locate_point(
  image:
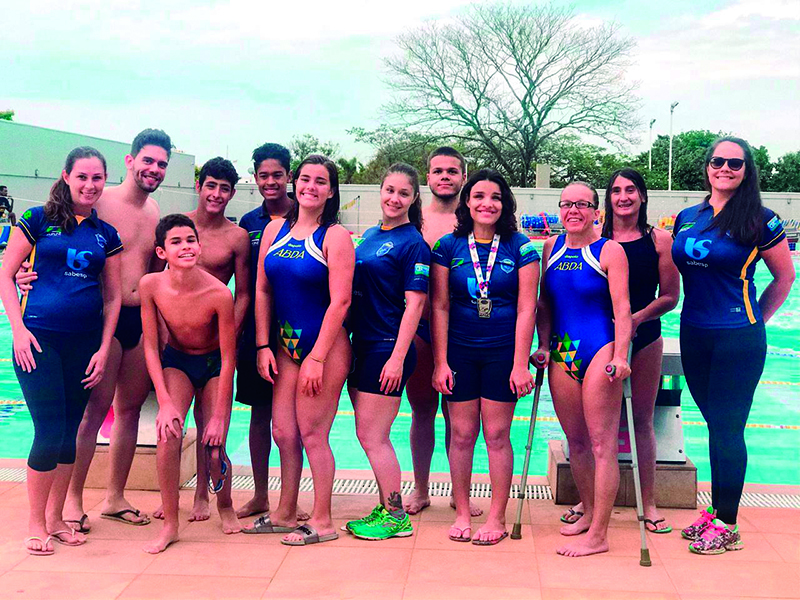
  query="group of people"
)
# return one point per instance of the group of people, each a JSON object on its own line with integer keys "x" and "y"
{"x": 435, "y": 300}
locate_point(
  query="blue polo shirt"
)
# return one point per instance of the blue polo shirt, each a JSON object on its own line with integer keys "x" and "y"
{"x": 67, "y": 296}
{"x": 717, "y": 271}
{"x": 466, "y": 327}
{"x": 388, "y": 264}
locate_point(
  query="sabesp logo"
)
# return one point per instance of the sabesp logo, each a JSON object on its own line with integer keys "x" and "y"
{"x": 77, "y": 261}
{"x": 697, "y": 249}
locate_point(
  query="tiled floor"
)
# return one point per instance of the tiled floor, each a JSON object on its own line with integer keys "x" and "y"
{"x": 208, "y": 564}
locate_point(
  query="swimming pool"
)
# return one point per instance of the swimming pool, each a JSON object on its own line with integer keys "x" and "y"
{"x": 773, "y": 432}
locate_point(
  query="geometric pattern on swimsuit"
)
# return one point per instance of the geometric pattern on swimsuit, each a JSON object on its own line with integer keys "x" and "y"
{"x": 290, "y": 338}
{"x": 563, "y": 351}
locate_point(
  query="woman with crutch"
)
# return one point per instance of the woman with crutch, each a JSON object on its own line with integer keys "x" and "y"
{"x": 654, "y": 287}
{"x": 723, "y": 340}
{"x": 584, "y": 324}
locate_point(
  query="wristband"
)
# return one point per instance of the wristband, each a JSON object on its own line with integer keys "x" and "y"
{"x": 262, "y": 347}
{"x": 316, "y": 359}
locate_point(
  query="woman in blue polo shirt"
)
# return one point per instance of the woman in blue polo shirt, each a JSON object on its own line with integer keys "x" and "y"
{"x": 389, "y": 291}
{"x": 723, "y": 342}
{"x": 484, "y": 278}
{"x": 62, "y": 331}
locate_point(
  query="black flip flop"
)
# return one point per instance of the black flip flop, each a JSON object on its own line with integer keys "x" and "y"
{"x": 80, "y": 524}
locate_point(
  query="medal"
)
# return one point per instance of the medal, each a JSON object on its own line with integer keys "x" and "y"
{"x": 484, "y": 302}
{"x": 484, "y": 308}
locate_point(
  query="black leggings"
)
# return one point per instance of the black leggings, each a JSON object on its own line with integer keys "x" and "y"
{"x": 55, "y": 395}
{"x": 722, "y": 369}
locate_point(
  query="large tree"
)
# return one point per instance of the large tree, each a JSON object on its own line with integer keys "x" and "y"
{"x": 303, "y": 145}
{"x": 787, "y": 173}
{"x": 506, "y": 78}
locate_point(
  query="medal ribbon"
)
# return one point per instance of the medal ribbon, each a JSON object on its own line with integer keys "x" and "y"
{"x": 483, "y": 284}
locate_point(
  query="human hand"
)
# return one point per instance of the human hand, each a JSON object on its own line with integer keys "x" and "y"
{"x": 24, "y": 277}
{"x": 310, "y": 377}
{"x": 96, "y": 368}
{"x": 391, "y": 375}
{"x": 443, "y": 380}
{"x": 23, "y": 354}
{"x": 265, "y": 360}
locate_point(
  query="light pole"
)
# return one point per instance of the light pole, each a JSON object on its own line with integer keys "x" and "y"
{"x": 671, "y": 110}
{"x": 650, "y": 161}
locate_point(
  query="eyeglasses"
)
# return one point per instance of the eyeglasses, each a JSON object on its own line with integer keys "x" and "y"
{"x": 734, "y": 164}
{"x": 580, "y": 204}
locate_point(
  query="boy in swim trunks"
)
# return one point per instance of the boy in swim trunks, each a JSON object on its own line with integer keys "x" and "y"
{"x": 198, "y": 360}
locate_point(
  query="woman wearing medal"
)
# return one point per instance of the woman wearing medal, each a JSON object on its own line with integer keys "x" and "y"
{"x": 484, "y": 278}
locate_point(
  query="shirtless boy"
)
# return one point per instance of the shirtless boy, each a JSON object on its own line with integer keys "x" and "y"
{"x": 134, "y": 214}
{"x": 447, "y": 172}
{"x": 226, "y": 252}
{"x": 199, "y": 359}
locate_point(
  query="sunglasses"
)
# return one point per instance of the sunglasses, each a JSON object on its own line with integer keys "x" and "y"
{"x": 734, "y": 164}
{"x": 580, "y": 204}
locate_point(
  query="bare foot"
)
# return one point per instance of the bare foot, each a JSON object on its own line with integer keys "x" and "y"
{"x": 200, "y": 510}
{"x": 417, "y": 503}
{"x": 584, "y": 547}
{"x": 302, "y": 515}
{"x": 474, "y": 509}
{"x": 159, "y": 513}
{"x": 162, "y": 542}
{"x": 322, "y": 530}
{"x": 578, "y": 527}
{"x": 254, "y": 506}
{"x": 230, "y": 522}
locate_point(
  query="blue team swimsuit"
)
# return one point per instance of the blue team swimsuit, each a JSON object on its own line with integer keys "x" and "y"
{"x": 298, "y": 275}
{"x": 388, "y": 264}
{"x": 580, "y": 303}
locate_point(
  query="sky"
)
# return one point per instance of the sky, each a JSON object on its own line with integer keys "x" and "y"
{"x": 223, "y": 76}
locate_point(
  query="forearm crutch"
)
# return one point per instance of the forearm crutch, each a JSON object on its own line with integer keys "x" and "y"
{"x": 537, "y": 361}
{"x": 644, "y": 559}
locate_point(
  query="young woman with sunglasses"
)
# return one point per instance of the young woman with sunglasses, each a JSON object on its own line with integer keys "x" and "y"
{"x": 723, "y": 341}
{"x": 584, "y": 324}
{"x": 654, "y": 287}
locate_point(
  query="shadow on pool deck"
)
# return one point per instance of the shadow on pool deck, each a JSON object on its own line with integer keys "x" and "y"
{"x": 208, "y": 564}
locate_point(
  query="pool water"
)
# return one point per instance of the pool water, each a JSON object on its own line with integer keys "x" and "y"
{"x": 773, "y": 432}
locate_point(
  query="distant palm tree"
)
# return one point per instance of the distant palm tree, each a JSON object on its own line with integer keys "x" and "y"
{"x": 348, "y": 169}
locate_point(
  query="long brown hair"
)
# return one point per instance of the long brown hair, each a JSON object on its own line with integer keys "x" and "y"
{"x": 59, "y": 207}
{"x": 415, "y": 210}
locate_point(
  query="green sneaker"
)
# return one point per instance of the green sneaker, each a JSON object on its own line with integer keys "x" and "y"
{"x": 368, "y": 519}
{"x": 383, "y": 527}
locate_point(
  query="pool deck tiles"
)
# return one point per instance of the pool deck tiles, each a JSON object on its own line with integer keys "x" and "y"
{"x": 209, "y": 564}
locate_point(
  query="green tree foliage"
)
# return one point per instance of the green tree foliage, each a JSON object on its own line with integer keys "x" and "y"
{"x": 303, "y": 145}
{"x": 396, "y": 144}
{"x": 571, "y": 160}
{"x": 787, "y": 173}
{"x": 348, "y": 169}
{"x": 506, "y": 79}
{"x": 6, "y": 115}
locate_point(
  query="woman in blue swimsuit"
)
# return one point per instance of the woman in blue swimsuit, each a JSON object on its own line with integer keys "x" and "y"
{"x": 584, "y": 324}
{"x": 654, "y": 286}
{"x": 307, "y": 279}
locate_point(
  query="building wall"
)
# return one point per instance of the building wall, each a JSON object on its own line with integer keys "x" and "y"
{"x": 31, "y": 160}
